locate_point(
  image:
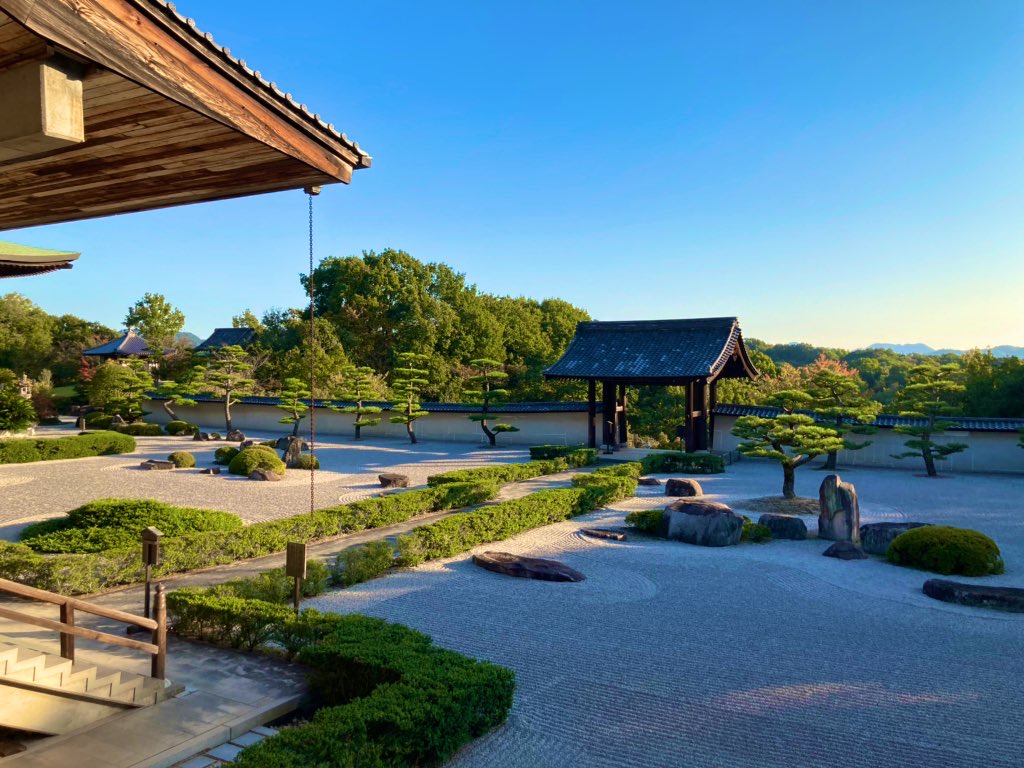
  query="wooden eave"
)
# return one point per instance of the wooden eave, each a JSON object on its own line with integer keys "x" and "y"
{"x": 170, "y": 117}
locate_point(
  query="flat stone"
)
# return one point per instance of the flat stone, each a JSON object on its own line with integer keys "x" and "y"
{"x": 393, "y": 480}
{"x": 839, "y": 510}
{"x": 784, "y": 526}
{"x": 705, "y": 523}
{"x": 527, "y": 567}
{"x": 676, "y": 486}
{"x": 264, "y": 474}
{"x": 845, "y": 550}
{"x": 157, "y": 464}
{"x": 210, "y": 471}
{"x": 648, "y": 481}
{"x": 977, "y": 595}
{"x": 876, "y": 537}
{"x": 604, "y": 533}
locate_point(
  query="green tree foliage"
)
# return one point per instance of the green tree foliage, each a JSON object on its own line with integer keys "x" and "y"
{"x": 360, "y": 385}
{"x": 26, "y": 335}
{"x": 70, "y": 336}
{"x": 226, "y": 376}
{"x": 485, "y": 390}
{"x": 931, "y": 393}
{"x": 994, "y": 386}
{"x": 792, "y": 439}
{"x": 282, "y": 345}
{"x": 179, "y": 393}
{"x": 838, "y": 395}
{"x": 408, "y": 380}
{"x": 120, "y": 388}
{"x": 16, "y": 413}
{"x": 156, "y": 320}
{"x": 293, "y": 398}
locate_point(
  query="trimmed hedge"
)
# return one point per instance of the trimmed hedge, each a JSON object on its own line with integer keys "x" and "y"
{"x": 946, "y": 550}
{"x": 178, "y": 427}
{"x": 690, "y": 463}
{"x": 389, "y": 696}
{"x": 140, "y": 429}
{"x": 225, "y": 454}
{"x": 256, "y": 457}
{"x": 182, "y": 459}
{"x": 646, "y": 520}
{"x": 75, "y": 447}
{"x": 307, "y": 462}
{"x": 358, "y": 564}
{"x": 755, "y": 532}
{"x": 541, "y": 452}
{"x": 510, "y": 473}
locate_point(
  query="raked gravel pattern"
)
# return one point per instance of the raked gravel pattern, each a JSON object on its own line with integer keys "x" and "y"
{"x": 749, "y": 656}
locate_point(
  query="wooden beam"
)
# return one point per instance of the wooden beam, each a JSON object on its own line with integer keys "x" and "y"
{"x": 41, "y": 104}
{"x": 591, "y": 413}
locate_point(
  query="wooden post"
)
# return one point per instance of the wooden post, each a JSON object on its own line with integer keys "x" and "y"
{"x": 295, "y": 566}
{"x": 159, "y": 667}
{"x": 700, "y": 420}
{"x": 608, "y": 412}
{"x": 67, "y": 641}
{"x": 591, "y": 413}
{"x": 712, "y": 404}
{"x": 621, "y": 413}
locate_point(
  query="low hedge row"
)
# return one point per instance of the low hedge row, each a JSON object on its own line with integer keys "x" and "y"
{"x": 178, "y": 427}
{"x": 388, "y": 696}
{"x": 690, "y": 463}
{"x": 510, "y": 473}
{"x": 23, "y": 451}
{"x": 85, "y": 573}
{"x": 140, "y": 429}
{"x": 540, "y": 452}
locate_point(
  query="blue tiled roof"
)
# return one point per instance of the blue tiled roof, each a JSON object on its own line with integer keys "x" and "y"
{"x": 129, "y": 344}
{"x": 888, "y": 421}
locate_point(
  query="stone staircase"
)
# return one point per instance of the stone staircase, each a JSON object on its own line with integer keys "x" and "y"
{"x": 46, "y": 693}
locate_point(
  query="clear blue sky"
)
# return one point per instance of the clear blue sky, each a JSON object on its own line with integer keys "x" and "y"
{"x": 833, "y": 172}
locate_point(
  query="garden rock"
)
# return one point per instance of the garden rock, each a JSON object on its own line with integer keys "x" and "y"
{"x": 393, "y": 480}
{"x": 157, "y": 464}
{"x": 839, "y": 515}
{"x": 676, "y": 486}
{"x": 282, "y": 443}
{"x": 648, "y": 481}
{"x": 264, "y": 474}
{"x": 235, "y": 436}
{"x": 845, "y": 550}
{"x": 612, "y": 534}
{"x": 876, "y": 537}
{"x": 293, "y": 452}
{"x": 784, "y": 526}
{"x": 706, "y": 523}
{"x": 977, "y": 595}
{"x": 246, "y": 444}
{"x": 210, "y": 471}
{"x": 201, "y": 436}
{"x": 527, "y": 567}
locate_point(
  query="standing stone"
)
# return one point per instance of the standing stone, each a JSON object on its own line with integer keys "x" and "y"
{"x": 235, "y": 436}
{"x": 839, "y": 516}
{"x": 784, "y": 526}
{"x": 706, "y": 523}
{"x": 293, "y": 452}
{"x": 676, "y": 486}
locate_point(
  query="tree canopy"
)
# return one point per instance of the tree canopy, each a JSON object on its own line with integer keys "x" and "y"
{"x": 155, "y": 319}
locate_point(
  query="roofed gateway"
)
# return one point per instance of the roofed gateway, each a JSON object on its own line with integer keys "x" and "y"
{"x": 694, "y": 353}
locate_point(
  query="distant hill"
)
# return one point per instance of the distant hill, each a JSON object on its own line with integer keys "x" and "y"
{"x": 1004, "y": 350}
{"x": 191, "y": 338}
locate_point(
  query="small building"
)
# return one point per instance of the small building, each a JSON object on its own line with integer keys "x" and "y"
{"x": 226, "y": 337}
{"x": 694, "y": 353}
{"x": 128, "y": 345}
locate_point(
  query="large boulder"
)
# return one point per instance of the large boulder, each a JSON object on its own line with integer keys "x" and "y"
{"x": 845, "y": 550}
{"x": 978, "y": 595}
{"x": 648, "y": 481}
{"x": 282, "y": 443}
{"x": 293, "y": 452}
{"x": 839, "y": 511}
{"x": 527, "y": 567}
{"x": 679, "y": 486}
{"x": 264, "y": 474}
{"x": 706, "y": 523}
{"x": 235, "y": 436}
{"x": 875, "y": 538}
{"x": 784, "y": 526}
{"x": 393, "y": 480}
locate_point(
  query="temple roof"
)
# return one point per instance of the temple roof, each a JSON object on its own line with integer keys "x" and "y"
{"x": 123, "y": 346}
{"x": 22, "y": 260}
{"x": 226, "y": 337}
{"x": 655, "y": 351}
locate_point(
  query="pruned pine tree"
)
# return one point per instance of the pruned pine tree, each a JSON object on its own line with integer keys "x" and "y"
{"x": 359, "y": 386}
{"x": 929, "y": 395}
{"x": 178, "y": 394}
{"x": 293, "y": 397}
{"x": 839, "y": 396}
{"x": 486, "y": 389}
{"x": 118, "y": 388}
{"x": 409, "y": 377}
{"x": 792, "y": 439}
{"x": 226, "y": 376}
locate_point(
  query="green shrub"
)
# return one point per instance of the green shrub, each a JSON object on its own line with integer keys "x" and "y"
{"x": 75, "y": 447}
{"x": 16, "y": 412}
{"x": 690, "y": 463}
{"x": 946, "y": 550}
{"x": 275, "y": 586}
{"x": 180, "y": 428}
{"x": 755, "y": 532}
{"x": 140, "y": 429}
{"x": 215, "y": 436}
{"x": 362, "y": 563}
{"x": 98, "y": 420}
{"x": 646, "y": 520}
{"x": 626, "y": 469}
{"x": 182, "y": 459}
{"x": 256, "y": 457}
{"x": 510, "y": 473}
{"x": 556, "y": 451}
{"x": 307, "y": 461}
{"x": 225, "y": 454}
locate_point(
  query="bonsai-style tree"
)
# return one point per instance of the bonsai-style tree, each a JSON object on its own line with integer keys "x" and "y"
{"x": 486, "y": 391}
{"x": 792, "y": 439}
{"x": 226, "y": 376}
{"x": 929, "y": 395}
{"x": 178, "y": 393}
{"x": 838, "y": 395}
{"x": 292, "y": 403}
{"x": 410, "y": 376}
{"x": 120, "y": 388}
{"x": 359, "y": 386}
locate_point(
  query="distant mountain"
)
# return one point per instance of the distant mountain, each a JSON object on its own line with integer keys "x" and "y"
{"x": 1004, "y": 350}
{"x": 190, "y": 338}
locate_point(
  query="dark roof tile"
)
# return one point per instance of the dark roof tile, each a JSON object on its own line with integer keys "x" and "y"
{"x": 887, "y": 420}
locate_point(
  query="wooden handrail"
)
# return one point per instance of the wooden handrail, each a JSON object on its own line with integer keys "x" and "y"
{"x": 69, "y": 631}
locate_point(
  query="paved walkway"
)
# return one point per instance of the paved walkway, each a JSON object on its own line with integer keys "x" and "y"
{"x": 754, "y": 656}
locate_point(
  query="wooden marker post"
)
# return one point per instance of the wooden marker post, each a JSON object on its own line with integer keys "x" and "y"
{"x": 150, "y": 557}
{"x": 295, "y": 566}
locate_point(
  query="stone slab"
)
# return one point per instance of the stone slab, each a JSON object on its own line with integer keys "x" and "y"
{"x": 527, "y": 567}
{"x": 977, "y": 595}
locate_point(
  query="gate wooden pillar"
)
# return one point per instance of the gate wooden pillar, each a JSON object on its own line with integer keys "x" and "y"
{"x": 698, "y": 408}
{"x": 591, "y": 413}
{"x": 620, "y": 408}
{"x": 712, "y": 404}
{"x": 608, "y": 412}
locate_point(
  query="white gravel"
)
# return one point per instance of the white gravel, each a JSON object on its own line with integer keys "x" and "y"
{"x": 756, "y": 655}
